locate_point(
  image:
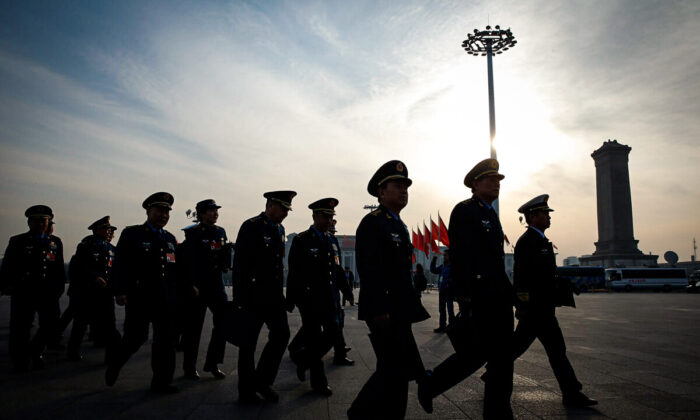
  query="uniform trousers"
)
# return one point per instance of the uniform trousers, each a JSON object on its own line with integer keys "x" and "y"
{"x": 542, "y": 324}
{"x": 192, "y": 332}
{"x": 445, "y": 303}
{"x": 250, "y": 377}
{"x": 317, "y": 335}
{"x": 97, "y": 310}
{"x": 139, "y": 314}
{"x": 385, "y": 394}
{"x": 492, "y": 343}
{"x": 23, "y": 309}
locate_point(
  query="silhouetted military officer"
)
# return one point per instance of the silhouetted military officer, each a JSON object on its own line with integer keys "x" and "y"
{"x": 313, "y": 270}
{"x": 387, "y": 301}
{"x": 481, "y": 286}
{"x": 208, "y": 255}
{"x": 91, "y": 292}
{"x": 534, "y": 275}
{"x": 145, "y": 281}
{"x": 33, "y": 273}
{"x": 258, "y": 289}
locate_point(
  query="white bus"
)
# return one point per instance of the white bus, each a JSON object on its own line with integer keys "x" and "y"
{"x": 646, "y": 278}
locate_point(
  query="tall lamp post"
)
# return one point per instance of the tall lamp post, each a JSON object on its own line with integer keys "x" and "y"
{"x": 486, "y": 43}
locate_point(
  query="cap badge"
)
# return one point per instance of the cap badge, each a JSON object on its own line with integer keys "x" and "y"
{"x": 399, "y": 167}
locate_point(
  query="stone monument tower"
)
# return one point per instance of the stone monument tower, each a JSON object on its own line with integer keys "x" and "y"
{"x": 616, "y": 245}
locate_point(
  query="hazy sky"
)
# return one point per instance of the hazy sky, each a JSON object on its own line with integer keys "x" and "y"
{"x": 103, "y": 103}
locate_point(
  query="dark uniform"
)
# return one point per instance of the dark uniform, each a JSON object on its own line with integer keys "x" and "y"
{"x": 341, "y": 285}
{"x": 534, "y": 275}
{"x": 258, "y": 276}
{"x": 478, "y": 273}
{"x": 207, "y": 252}
{"x": 33, "y": 273}
{"x": 314, "y": 268}
{"x": 92, "y": 303}
{"x": 383, "y": 253}
{"x": 145, "y": 272}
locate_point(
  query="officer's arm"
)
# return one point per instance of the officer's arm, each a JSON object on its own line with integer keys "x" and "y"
{"x": 295, "y": 275}
{"x": 524, "y": 257}
{"x": 243, "y": 260}
{"x": 433, "y": 266}
{"x": 60, "y": 267}
{"x": 123, "y": 261}
{"x": 369, "y": 262}
{"x": 8, "y": 270}
{"x": 462, "y": 251}
{"x": 343, "y": 283}
{"x": 85, "y": 268}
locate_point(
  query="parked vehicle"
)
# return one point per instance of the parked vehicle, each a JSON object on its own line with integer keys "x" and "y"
{"x": 583, "y": 279}
{"x": 628, "y": 279}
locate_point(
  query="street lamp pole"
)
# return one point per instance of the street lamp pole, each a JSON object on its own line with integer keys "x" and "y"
{"x": 486, "y": 43}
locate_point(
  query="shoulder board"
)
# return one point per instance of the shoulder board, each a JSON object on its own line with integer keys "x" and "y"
{"x": 54, "y": 238}
{"x": 88, "y": 239}
{"x": 376, "y": 212}
{"x": 303, "y": 234}
{"x": 254, "y": 219}
{"x": 468, "y": 200}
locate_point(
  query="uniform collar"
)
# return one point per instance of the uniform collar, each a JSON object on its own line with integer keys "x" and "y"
{"x": 538, "y": 231}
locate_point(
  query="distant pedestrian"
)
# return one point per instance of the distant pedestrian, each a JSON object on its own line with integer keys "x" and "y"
{"x": 445, "y": 290}
{"x": 420, "y": 282}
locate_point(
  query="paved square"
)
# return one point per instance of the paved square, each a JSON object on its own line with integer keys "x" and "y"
{"x": 637, "y": 353}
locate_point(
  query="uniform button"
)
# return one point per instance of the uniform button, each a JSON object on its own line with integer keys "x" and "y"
{"x": 44, "y": 267}
{"x": 43, "y": 252}
{"x": 161, "y": 249}
{"x": 308, "y": 288}
{"x": 162, "y": 266}
{"x": 162, "y": 258}
{"x": 387, "y": 292}
{"x": 27, "y": 272}
{"x": 162, "y": 274}
{"x": 253, "y": 280}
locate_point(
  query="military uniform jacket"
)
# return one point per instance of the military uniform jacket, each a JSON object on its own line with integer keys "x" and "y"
{"x": 93, "y": 258}
{"x": 383, "y": 253}
{"x": 476, "y": 252}
{"x": 207, "y": 255}
{"x": 313, "y": 270}
{"x": 34, "y": 266}
{"x": 535, "y": 270}
{"x": 257, "y": 264}
{"x": 145, "y": 265}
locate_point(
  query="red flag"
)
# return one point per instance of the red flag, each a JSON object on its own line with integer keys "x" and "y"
{"x": 505, "y": 238}
{"x": 426, "y": 237}
{"x": 420, "y": 241}
{"x": 414, "y": 239}
{"x": 434, "y": 236}
{"x": 444, "y": 237}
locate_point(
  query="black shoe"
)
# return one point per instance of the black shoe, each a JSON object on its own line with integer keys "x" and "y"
{"x": 343, "y": 361}
{"x": 424, "y": 395}
{"x": 347, "y": 349}
{"x": 249, "y": 399}
{"x": 164, "y": 389}
{"x": 111, "y": 375}
{"x": 267, "y": 393}
{"x": 578, "y": 399}
{"x": 325, "y": 391}
{"x": 191, "y": 374}
{"x": 214, "y": 370}
{"x": 439, "y": 330}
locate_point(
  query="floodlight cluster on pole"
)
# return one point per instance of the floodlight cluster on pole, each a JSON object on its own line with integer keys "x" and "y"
{"x": 486, "y": 43}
